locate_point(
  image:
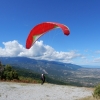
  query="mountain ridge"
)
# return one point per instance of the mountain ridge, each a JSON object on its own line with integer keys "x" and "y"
{"x": 52, "y": 68}
{"x": 25, "y": 60}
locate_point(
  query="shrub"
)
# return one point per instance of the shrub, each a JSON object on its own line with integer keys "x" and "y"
{"x": 9, "y": 73}
{"x": 96, "y": 93}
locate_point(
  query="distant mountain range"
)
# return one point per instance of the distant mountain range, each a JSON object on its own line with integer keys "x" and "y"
{"x": 32, "y": 63}
{"x": 51, "y": 68}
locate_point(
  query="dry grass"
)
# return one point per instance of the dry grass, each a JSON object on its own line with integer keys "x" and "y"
{"x": 89, "y": 98}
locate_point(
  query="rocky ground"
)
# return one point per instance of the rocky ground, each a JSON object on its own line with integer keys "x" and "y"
{"x": 25, "y": 91}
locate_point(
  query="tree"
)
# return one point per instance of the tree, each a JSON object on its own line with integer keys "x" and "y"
{"x": 8, "y": 68}
{"x": 9, "y": 73}
{"x": 1, "y": 69}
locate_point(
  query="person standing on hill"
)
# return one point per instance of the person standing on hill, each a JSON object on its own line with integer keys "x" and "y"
{"x": 42, "y": 78}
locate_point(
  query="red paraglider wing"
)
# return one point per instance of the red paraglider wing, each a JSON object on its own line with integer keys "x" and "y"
{"x": 41, "y": 29}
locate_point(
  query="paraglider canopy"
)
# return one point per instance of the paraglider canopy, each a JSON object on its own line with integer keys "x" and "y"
{"x": 43, "y": 28}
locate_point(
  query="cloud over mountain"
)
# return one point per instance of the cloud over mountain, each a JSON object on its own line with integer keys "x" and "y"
{"x": 38, "y": 51}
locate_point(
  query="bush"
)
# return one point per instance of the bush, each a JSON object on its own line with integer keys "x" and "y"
{"x": 9, "y": 73}
{"x": 96, "y": 93}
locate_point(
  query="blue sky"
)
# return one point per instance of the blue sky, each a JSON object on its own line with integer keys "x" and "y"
{"x": 18, "y": 17}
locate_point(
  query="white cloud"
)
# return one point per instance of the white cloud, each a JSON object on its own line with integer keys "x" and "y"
{"x": 12, "y": 48}
{"x": 96, "y": 60}
{"x": 38, "y": 51}
{"x": 97, "y": 52}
